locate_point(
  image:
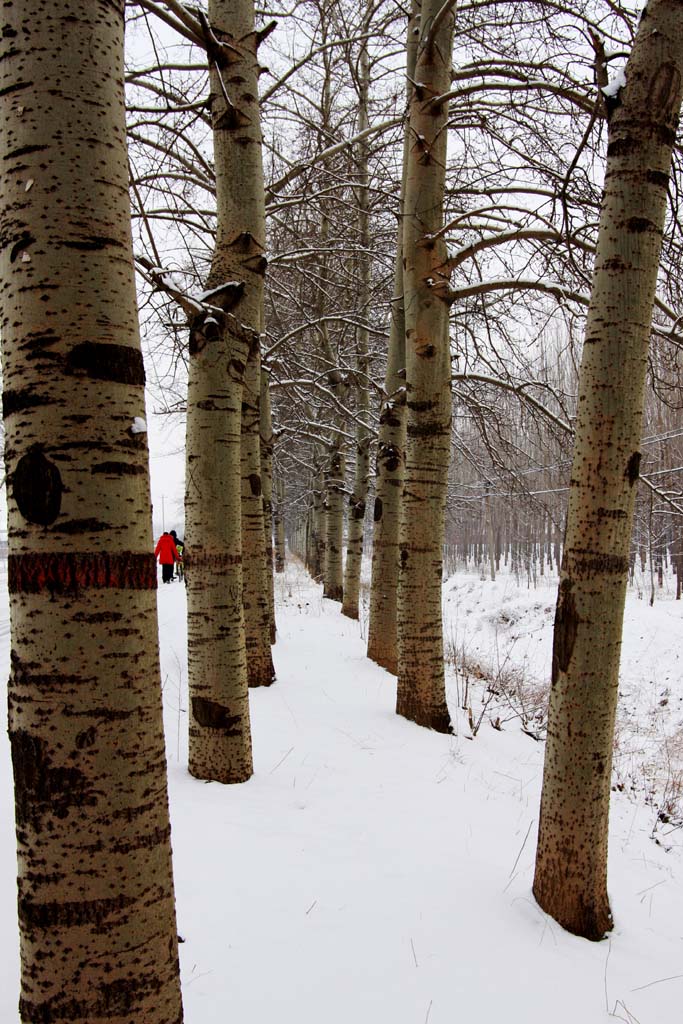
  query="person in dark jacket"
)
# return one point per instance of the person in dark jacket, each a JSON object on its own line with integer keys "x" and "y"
{"x": 167, "y": 553}
{"x": 179, "y": 567}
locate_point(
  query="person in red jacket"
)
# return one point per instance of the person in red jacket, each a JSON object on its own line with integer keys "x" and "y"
{"x": 167, "y": 553}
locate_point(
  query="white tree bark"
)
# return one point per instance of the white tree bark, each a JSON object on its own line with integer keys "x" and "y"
{"x": 421, "y": 693}
{"x": 96, "y": 905}
{"x": 358, "y": 496}
{"x": 571, "y": 867}
{"x": 391, "y": 439}
{"x": 220, "y": 736}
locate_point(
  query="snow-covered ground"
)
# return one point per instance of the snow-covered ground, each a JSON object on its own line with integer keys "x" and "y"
{"x": 372, "y": 871}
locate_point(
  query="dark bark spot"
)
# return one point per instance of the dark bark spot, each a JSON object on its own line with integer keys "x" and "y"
{"x": 197, "y": 342}
{"x": 611, "y": 104}
{"x": 72, "y": 526}
{"x": 664, "y": 135}
{"x": 94, "y": 243}
{"x": 212, "y": 562}
{"x": 425, "y": 349}
{"x": 356, "y": 508}
{"x": 118, "y": 468}
{"x": 633, "y": 468}
{"x": 377, "y": 515}
{"x": 71, "y": 914}
{"x": 587, "y": 563}
{"x": 37, "y": 488}
{"x": 15, "y": 87}
{"x": 41, "y": 789}
{"x": 615, "y": 263}
{"x": 25, "y": 150}
{"x": 121, "y": 364}
{"x": 209, "y": 714}
{"x": 389, "y": 417}
{"x": 404, "y": 557}
{"x": 24, "y": 674}
{"x": 255, "y": 484}
{"x": 231, "y": 120}
{"x": 257, "y": 264}
{"x": 208, "y": 405}
{"x": 390, "y": 456}
{"x": 245, "y": 242}
{"x": 566, "y": 627}
{"x": 206, "y": 328}
{"x": 640, "y": 224}
{"x": 226, "y": 296}
{"x": 425, "y": 406}
{"x": 22, "y": 399}
{"x": 622, "y": 147}
{"x": 21, "y": 244}
{"x": 658, "y": 178}
{"x": 611, "y": 513}
{"x": 86, "y": 738}
{"x": 39, "y": 341}
{"x": 98, "y": 617}
{"x": 67, "y": 573}
{"x": 425, "y": 430}
{"x": 111, "y": 1001}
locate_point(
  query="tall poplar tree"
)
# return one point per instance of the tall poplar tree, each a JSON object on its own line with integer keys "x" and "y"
{"x": 358, "y": 496}
{"x": 571, "y": 866}
{"x": 421, "y": 687}
{"x": 256, "y": 566}
{"x": 382, "y": 625}
{"x": 96, "y": 906}
{"x": 220, "y": 736}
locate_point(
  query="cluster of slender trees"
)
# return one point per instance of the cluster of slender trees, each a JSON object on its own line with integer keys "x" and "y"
{"x": 356, "y": 246}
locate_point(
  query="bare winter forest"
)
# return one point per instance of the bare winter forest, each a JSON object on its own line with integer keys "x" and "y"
{"x": 405, "y": 282}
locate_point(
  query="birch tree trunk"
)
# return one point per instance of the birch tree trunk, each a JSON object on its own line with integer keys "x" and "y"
{"x": 335, "y": 465}
{"x": 260, "y": 671}
{"x": 96, "y": 906}
{"x": 358, "y": 497}
{"x": 266, "y": 439}
{"x": 382, "y": 626}
{"x": 333, "y": 574}
{"x": 316, "y": 532}
{"x": 279, "y": 525}
{"x": 571, "y": 866}
{"x": 490, "y": 536}
{"x": 421, "y": 694}
{"x": 220, "y": 733}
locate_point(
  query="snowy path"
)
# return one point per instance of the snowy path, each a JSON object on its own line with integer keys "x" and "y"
{"x": 373, "y": 872}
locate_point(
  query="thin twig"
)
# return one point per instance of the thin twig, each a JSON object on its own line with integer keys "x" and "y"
{"x": 522, "y": 847}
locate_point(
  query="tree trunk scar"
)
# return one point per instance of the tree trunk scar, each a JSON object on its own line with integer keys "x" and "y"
{"x": 44, "y": 790}
{"x": 37, "y": 487}
{"x": 663, "y": 97}
{"x": 633, "y": 468}
{"x": 21, "y": 399}
{"x": 121, "y": 364}
{"x": 209, "y": 714}
{"x": 566, "y": 625}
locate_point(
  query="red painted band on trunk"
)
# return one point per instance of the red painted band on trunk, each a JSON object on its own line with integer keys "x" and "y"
{"x": 68, "y": 572}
